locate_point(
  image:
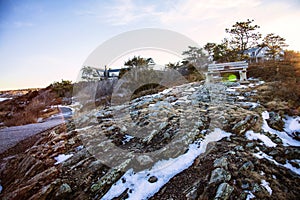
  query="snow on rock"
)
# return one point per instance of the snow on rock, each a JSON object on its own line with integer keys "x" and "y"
{"x": 127, "y": 138}
{"x": 287, "y": 140}
{"x": 83, "y": 129}
{"x": 250, "y": 195}
{"x": 287, "y": 165}
{"x": 250, "y": 135}
{"x": 249, "y": 104}
{"x": 230, "y": 90}
{"x": 3, "y": 99}
{"x": 138, "y": 184}
{"x": 266, "y": 185}
{"x": 292, "y": 125}
{"x": 291, "y": 167}
{"x": 61, "y": 158}
{"x": 239, "y": 87}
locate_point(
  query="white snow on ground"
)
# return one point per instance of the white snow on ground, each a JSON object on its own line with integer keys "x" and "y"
{"x": 287, "y": 165}
{"x": 291, "y": 167}
{"x": 3, "y": 99}
{"x": 287, "y": 140}
{"x": 267, "y": 186}
{"x": 164, "y": 170}
{"x": 62, "y": 158}
{"x": 252, "y": 104}
{"x": 239, "y": 87}
{"x": 230, "y": 90}
{"x": 83, "y": 129}
{"x": 127, "y": 138}
{"x": 250, "y": 195}
{"x": 292, "y": 125}
{"x": 250, "y": 135}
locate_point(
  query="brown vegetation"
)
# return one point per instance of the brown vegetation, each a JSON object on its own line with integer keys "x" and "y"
{"x": 30, "y": 107}
{"x": 283, "y": 79}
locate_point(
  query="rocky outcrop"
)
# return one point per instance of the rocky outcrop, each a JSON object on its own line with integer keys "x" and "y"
{"x": 84, "y": 158}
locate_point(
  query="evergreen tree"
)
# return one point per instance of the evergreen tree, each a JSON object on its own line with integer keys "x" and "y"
{"x": 275, "y": 44}
{"x": 244, "y": 35}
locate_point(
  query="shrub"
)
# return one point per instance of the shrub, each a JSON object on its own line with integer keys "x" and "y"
{"x": 63, "y": 88}
{"x": 31, "y": 112}
{"x": 284, "y": 78}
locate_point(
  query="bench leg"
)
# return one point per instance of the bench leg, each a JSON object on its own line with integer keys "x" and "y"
{"x": 243, "y": 75}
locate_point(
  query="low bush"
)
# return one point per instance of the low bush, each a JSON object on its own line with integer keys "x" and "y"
{"x": 284, "y": 78}
{"x": 32, "y": 110}
{"x": 63, "y": 88}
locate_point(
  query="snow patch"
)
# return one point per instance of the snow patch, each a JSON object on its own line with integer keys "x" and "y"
{"x": 3, "y": 99}
{"x": 79, "y": 148}
{"x": 127, "y": 138}
{"x": 138, "y": 184}
{"x": 287, "y": 165}
{"x": 230, "y": 90}
{"x": 250, "y": 195}
{"x": 83, "y": 129}
{"x": 267, "y": 186}
{"x": 62, "y": 158}
{"x": 239, "y": 87}
{"x": 287, "y": 140}
{"x": 252, "y": 104}
{"x": 291, "y": 167}
{"x": 292, "y": 125}
{"x": 250, "y": 135}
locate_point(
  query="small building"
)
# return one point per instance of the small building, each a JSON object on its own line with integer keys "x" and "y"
{"x": 257, "y": 54}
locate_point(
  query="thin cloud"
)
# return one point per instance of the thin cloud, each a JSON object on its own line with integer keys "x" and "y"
{"x": 20, "y": 24}
{"x": 127, "y": 11}
{"x": 85, "y": 13}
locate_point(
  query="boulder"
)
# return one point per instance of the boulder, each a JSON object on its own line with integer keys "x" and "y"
{"x": 247, "y": 166}
{"x": 221, "y": 162}
{"x": 224, "y": 191}
{"x": 219, "y": 175}
{"x": 63, "y": 190}
{"x": 152, "y": 179}
{"x": 245, "y": 124}
{"x": 275, "y": 121}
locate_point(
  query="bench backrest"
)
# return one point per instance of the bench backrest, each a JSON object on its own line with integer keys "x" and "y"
{"x": 230, "y": 66}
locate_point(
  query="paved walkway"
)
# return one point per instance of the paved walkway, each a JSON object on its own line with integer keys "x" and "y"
{"x": 11, "y": 136}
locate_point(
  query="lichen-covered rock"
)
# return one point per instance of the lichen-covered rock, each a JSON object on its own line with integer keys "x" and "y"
{"x": 110, "y": 140}
{"x": 244, "y": 125}
{"x": 224, "y": 191}
{"x": 219, "y": 175}
{"x": 64, "y": 190}
{"x": 248, "y": 166}
{"x": 221, "y": 162}
{"x": 275, "y": 121}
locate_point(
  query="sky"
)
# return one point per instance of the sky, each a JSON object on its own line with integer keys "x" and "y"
{"x": 45, "y": 41}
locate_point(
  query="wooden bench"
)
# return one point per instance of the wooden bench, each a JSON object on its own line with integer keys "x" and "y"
{"x": 214, "y": 70}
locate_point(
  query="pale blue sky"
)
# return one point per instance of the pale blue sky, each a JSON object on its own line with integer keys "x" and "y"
{"x": 46, "y": 41}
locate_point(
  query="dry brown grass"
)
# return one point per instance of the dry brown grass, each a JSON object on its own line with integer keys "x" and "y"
{"x": 32, "y": 111}
{"x": 284, "y": 81}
